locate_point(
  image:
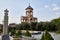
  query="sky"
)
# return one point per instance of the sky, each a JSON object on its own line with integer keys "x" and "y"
{"x": 44, "y": 10}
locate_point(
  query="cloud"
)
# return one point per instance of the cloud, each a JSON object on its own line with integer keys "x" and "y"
{"x": 55, "y": 7}
{"x": 57, "y": 13}
{"x": 46, "y": 6}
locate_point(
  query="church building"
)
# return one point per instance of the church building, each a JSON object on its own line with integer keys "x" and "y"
{"x": 29, "y": 15}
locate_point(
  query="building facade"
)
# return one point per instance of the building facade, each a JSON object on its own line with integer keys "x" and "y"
{"x": 29, "y": 15}
{"x": 12, "y": 25}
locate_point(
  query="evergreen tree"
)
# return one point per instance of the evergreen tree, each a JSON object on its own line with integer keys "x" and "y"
{"x": 46, "y": 36}
{"x": 27, "y": 33}
{"x": 18, "y": 33}
{"x": 13, "y": 32}
{"x": 42, "y": 38}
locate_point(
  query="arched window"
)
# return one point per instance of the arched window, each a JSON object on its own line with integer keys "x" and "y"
{"x": 31, "y": 19}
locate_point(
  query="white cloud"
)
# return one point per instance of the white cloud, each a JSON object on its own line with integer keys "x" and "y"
{"x": 57, "y": 13}
{"x": 46, "y": 6}
{"x": 56, "y": 7}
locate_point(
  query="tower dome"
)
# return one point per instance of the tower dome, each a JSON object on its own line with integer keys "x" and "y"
{"x": 29, "y": 7}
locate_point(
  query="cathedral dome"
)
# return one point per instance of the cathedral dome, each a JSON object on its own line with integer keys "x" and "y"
{"x": 29, "y": 7}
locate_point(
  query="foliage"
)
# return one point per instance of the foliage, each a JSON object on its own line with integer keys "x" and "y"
{"x": 58, "y": 31}
{"x": 19, "y": 27}
{"x": 53, "y": 25}
{"x": 13, "y": 32}
{"x": 57, "y": 23}
{"x": 1, "y": 30}
{"x": 33, "y": 25}
{"x": 46, "y": 36}
{"x": 40, "y": 26}
{"x": 18, "y": 33}
{"x": 56, "y": 20}
{"x": 27, "y": 33}
{"x": 26, "y": 26}
{"x": 42, "y": 38}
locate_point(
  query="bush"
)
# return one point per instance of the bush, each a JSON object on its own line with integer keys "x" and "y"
{"x": 13, "y": 32}
{"x": 42, "y": 38}
{"x": 46, "y": 36}
{"x": 27, "y": 33}
{"x": 18, "y": 33}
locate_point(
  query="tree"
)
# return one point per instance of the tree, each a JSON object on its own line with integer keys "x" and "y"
{"x": 56, "y": 20}
{"x": 27, "y": 33}
{"x": 46, "y": 36}
{"x": 33, "y": 25}
{"x": 58, "y": 27}
{"x": 13, "y": 32}
{"x": 18, "y": 33}
{"x": 25, "y": 25}
{"x": 19, "y": 27}
{"x": 42, "y": 38}
{"x": 57, "y": 23}
{"x": 39, "y": 26}
{"x": 52, "y": 26}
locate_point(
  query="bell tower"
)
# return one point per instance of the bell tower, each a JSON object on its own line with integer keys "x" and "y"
{"x": 29, "y": 11}
{"x": 29, "y": 15}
